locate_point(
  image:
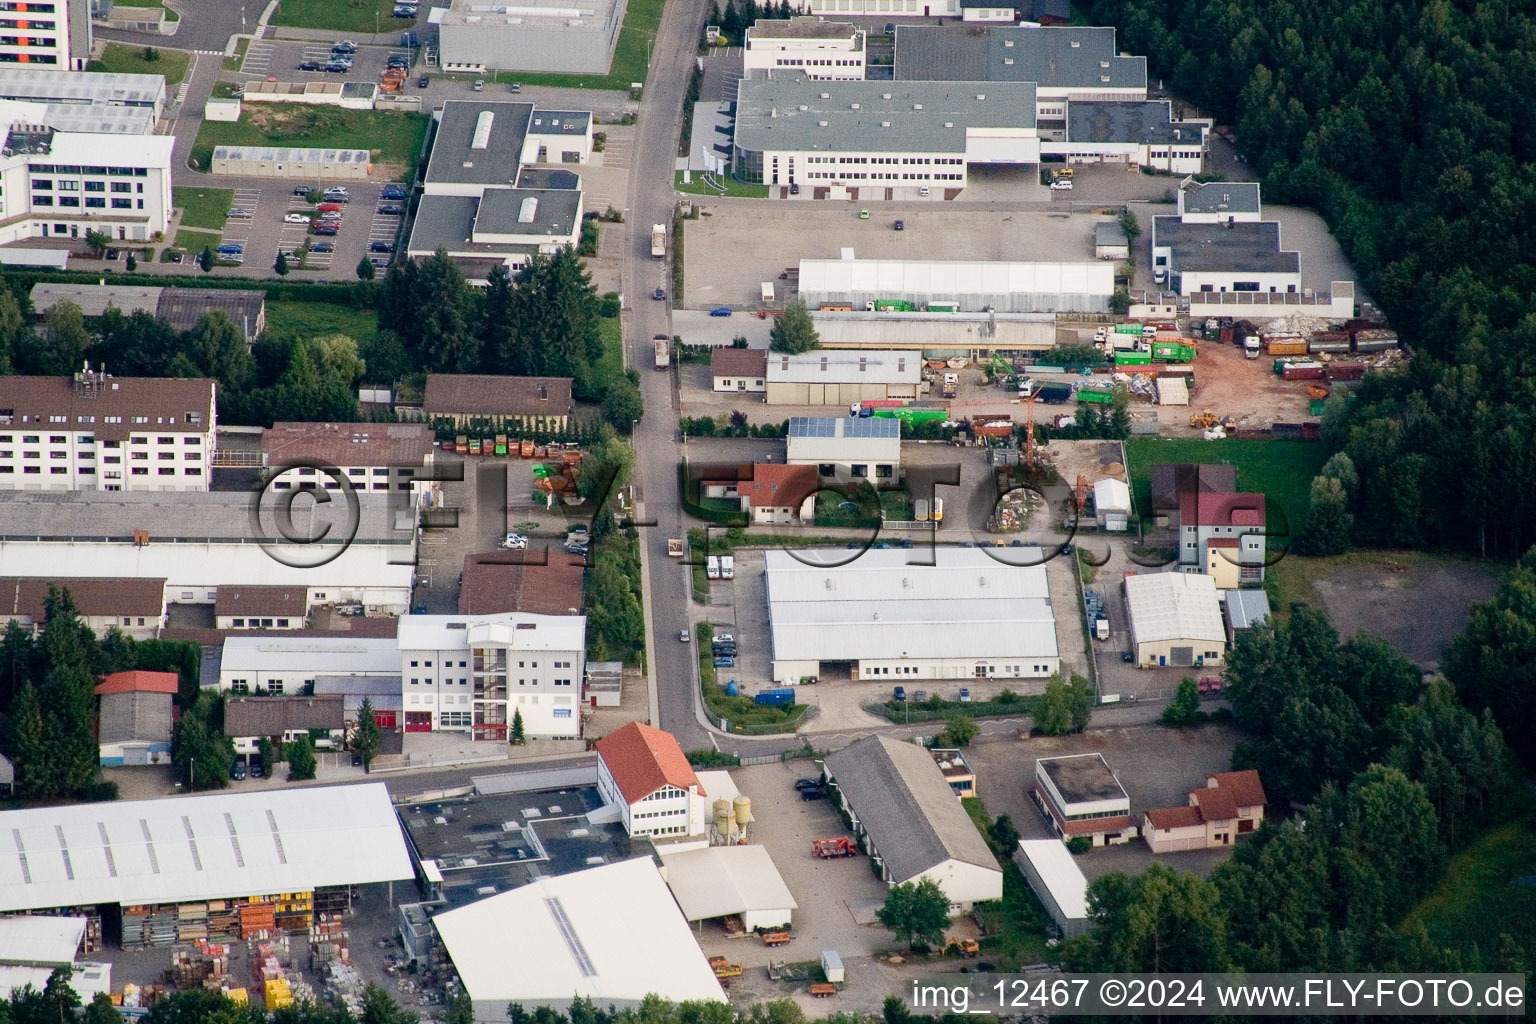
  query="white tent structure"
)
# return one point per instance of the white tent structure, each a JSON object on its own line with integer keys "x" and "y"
{"x": 1083, "y": 287}
{"x": 721, "y": 881}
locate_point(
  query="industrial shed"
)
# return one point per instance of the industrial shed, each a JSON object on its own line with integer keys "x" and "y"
{"x": 134, "y": 720}
{"x": 971, "y": 285}
{"x": 830, "y": 377}
{"x": 1175, "y": 619}
{"x": 729, "y": 881}
{"x": 612, "y": 934}
{"x": 911, "y": 822}
{"x": 282, "y": 162}
{"x": 972, "y": 335}
{"x": 1057, "y": 881}
{"x": 178, "y": 869}
{"x": 969, "y": 616}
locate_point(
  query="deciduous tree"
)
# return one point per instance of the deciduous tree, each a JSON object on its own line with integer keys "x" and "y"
{"x": 793, "y": 330}
{"x": 916, "y": 912}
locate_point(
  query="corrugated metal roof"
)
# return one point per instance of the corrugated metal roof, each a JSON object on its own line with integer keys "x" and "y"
{"x": 721, "y": 880}
{"x": 1246, "y": 608}
{"x": 941, "y": 279}
{"x": 40, "y": 940}
{"x": 1063, "y": 879}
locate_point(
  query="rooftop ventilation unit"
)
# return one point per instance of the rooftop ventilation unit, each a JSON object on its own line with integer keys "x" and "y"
{"x": 1076, "y": 44}
{"x": 853, "y": 106}
{"x": 885, "y": 124}
{"x": 482, "y": 130}
{"x": 917, "y": 106}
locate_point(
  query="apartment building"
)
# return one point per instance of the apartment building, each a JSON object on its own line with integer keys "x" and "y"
{"x": 822, "y": 49}
{"x": 54, "y": 34}
{"x": 94, "y": 431}
{"x": 473, "y": 673}
{"x": 62, "y": 184}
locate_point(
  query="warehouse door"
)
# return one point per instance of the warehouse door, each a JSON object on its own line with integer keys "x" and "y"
{"x": 384, "y": 719}
{"x": 418, "y": 721}
{"x": 1181, "y": 656}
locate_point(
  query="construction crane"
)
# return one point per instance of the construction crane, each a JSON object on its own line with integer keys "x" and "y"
{"x": 1082, "y": 494}
{"x": 1030, "y": 459}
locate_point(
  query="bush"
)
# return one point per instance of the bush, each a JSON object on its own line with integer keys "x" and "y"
{"x": 712, "y": 759}
{"x": 98, "y": 792}
{"x": 1184, "y": 709}
{"x": 1079, "y": 844}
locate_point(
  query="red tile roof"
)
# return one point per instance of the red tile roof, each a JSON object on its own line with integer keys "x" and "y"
{"x": 1245, "y": 786}
{"x": 1222, "y": 542}
{"x": 1215, "y": 803}
{"x": 347, "y": 444}
{"x": 779, "y": 486}
{"x": 1206, "y": 509}
{"x": 642, "y": 760}
{"x": 738, "y": 362}
{"x": 1175, "y": 817}
{"x": 480, "y": 394}
{"x": 535, "y": 582}
{"x": 139, "y": 681}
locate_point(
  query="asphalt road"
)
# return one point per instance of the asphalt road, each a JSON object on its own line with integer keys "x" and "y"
{"x": 205, "y": 25}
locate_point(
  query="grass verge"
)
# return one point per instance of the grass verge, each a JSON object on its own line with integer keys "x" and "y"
{"x": 739, "y": 189}
{"x": 340, "y": 15}
{"x": 195, "y": 241}
{"x": 611, "y": 366}
{"x": 394, "y": 139}
{"x": 1280, "y": 470}
{"x": 741, "y": 714}
{"x": 1016, "y": 924}
{"x": 1478, "y": 899}
{"x": 937, "y": 709}
{"x": 641, "y": 20}
{"x": 233, "y": 63}
{"x": 204, "y": 208}
{"x": 314, "y": 319}
{"x": 121, "y": 58}
{"x": 170, "y": 15}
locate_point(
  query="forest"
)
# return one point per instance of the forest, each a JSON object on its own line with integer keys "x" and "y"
{"x": 1410, "y": 127}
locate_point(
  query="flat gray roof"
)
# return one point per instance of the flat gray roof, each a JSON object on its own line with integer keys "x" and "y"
{"x": 801, "y": 27}
{"x": 559, "y": 122}
{"x": 283, "y": 154}
{"x": 547, "y": 177}
{"x": 1148, "y": 122}
{"x": 554, "y": 211}
{"x": 1252, "y": 246}
{"x": 1059, "y": 57}
{"x": 101, "y": 118}
{"x": 792, "y": 112}
{"x": 1246, "y": 608}
{"x": 1220, "y": 196}
{"x": 443, "y": 222}
{"x": 81, "y": 86}
{"x": 1082, "y": 778}
{"x": 1107, "y": 232}
{"x": 455, "y": 160}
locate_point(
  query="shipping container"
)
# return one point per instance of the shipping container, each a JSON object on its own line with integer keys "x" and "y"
{"x": 943, "y": 307}
{"x": 1054, "y": 394}
{"x": 1375, "y": 340}
{"x": 894, "y": 305}
{"x": 775, "y": 698}
{"x": 1172, "y": 351}
{"x": 1302, "y": 371}
{"x": 1329, "y": 341}
{"x": 501, "y": 444}
{"x": 1286, "y": 347}
{"x": 1095, "y": 396}
{"x": 1346, "y": 371}
{"x": 1133, "y": 359}
{"x": 915, "y": 414}
{"x": 1128, "y": 329}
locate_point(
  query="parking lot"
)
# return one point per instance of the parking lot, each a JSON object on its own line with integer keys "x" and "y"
{"x": 720, "y": 270}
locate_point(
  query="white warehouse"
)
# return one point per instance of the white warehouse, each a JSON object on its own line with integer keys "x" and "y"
{"x": 970, "y": 286}
{"x": 970, "y": 616}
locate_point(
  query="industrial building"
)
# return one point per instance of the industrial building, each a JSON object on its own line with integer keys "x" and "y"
{"x": 970, "y": 616}
{"x": 1230, "y": 804}
{"x": 911, "y": 822}
{"x": 218, "y": 867}
{"x": 872, "y": 140}
{"x": 1057, "y": 881}
{"x": 1080, "y": 796}
{"x": 612, "y": 934}
{"x": 105, "y": 433}
{"x": 1112, "y": 504}
{"x": 136, "y": 606}
{"x": 73, "y": 189}
{"x": 847, "y": 449}
{"x": 1171, "y": 481}
{"x": 285, "y": 162}
{"x": 84, "y": 89}
{"x": 1175, "y": 620}
{"x": 1110, "y": 241}
{"x": 381, "y": 692}
{"x": 281, "y": 720}
{"x": 971, "y": 286}
{"x": 498, "y": 403}
{"x": 499, "y": 227}
{"x": 1135, "y": 134}
{"x": 181, "y": 308}
{"x": 199, "y": 542}
{"x": 536, "y": 582}
{"x": 1242, "y": 610}
{"x": 530, "y": 35}
{"x": 366, "y": 456}
{"x": 822, "y": 49}
{"x": 134, "y": 717}
{"x": 33, "y": 947}
{"x": 1218, "y": 243}
{"x": 738, "y": 882}
{"x": 473, "y": 673}
{"x": 830, "y": 377}
{"x": 282, "y": 665}
{"x": 974, "y": 336}
{"x": 643, "y": 772}
{"x": 482, "y": 144}
{"x": 884, "y": 8}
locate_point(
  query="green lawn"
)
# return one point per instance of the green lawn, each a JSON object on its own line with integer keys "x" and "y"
{"x": 641, "y": 20}
{"x": 739, "y": 189}
{"x": 1016, "y": 923}
{"x": 340, "y": 15}
{"x": 611, "y": 366}
{"x": 170, "y": 15}
{"x": 121, "y": 58}
{"x": 393, "y": 138}
{"x": 203, "y": 207}
{"x": 194, "y": 241}
{"x": 1478, "y": 899}
{"x": 313, "y": 319}
{"x": 233, "y": 63}
{"x": 1280, "y": 470}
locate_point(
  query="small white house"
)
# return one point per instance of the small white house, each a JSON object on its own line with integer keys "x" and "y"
{"x": 1112, "y": 504}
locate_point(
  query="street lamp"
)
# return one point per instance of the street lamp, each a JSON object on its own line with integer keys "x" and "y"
{"x": 242, "y": 18}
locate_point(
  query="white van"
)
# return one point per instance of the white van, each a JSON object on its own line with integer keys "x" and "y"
{"x": 727, "y": 567}
{"x": 712, "y": 567}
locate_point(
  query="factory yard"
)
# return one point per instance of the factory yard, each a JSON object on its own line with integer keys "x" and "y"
{"x": 1229, "y": 384}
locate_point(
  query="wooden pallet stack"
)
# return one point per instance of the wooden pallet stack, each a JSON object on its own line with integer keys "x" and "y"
{"x": 223, "y": 920}
{"x": 257, "y": 918}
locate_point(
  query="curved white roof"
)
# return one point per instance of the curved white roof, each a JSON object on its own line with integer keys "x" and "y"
{"x": 941, "y": 279}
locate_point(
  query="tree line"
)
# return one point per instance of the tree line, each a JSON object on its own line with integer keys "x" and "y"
{"x": 1407, "y": 127}
{"x": 1388, "y": 775}
{"x": 47, "y": 695}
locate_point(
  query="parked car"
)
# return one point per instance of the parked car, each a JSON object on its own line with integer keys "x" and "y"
{"x": 922, "y": 190}
{"x": 1127, "y": 656}
{"x": 397, "y": 62}
{"x": 392, "y": 192}
{"x": 918, "y": 696}
{"x": 301, "y": 191}
{"x": 177, "y": 257}
{"x": 381, "y": 247}
{"x": 863, "y": 215}
{"x": 899, "y": 695}
{"x": 391, "y": 211}
{"x": 357, "y": 760}
{"x": 720, "y": 311}
{"x": 310, "y": 65}
{"x": 237, "y": 211}
{"x": 345, "y": 46}
{"x": 238, "y": 773}
{"x": 296, "y": 218}
{"x": 403, "y": 12}
{"x": 514, "y": 541}
{"x": 683, "y": 636}
{"x": 336, "y": 194}
{"x": 230, "y": 249}
{"x": 901, "y": 225}
{"x": 965, "y": 695}
{"x": 113, "y": 254}
{"x": 659, "y": 295}
{"x": 804, "y": 784}
{"x": 257, "y": 771}
{"x": 813, "y": 794}
{"x": 1061, "y": 185}
{"x": 479, "y": 85}
{"x": 326, "y": 229}
{"x": 724, "y": 638}
{"x": 421, "y": 83}
{"x": 322, "y": 247}
{"x": 725, "y": 663}
{"x": 338, "y": 69}
{"x": 794, "y": 190}
{"x": 517, "y": 87}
